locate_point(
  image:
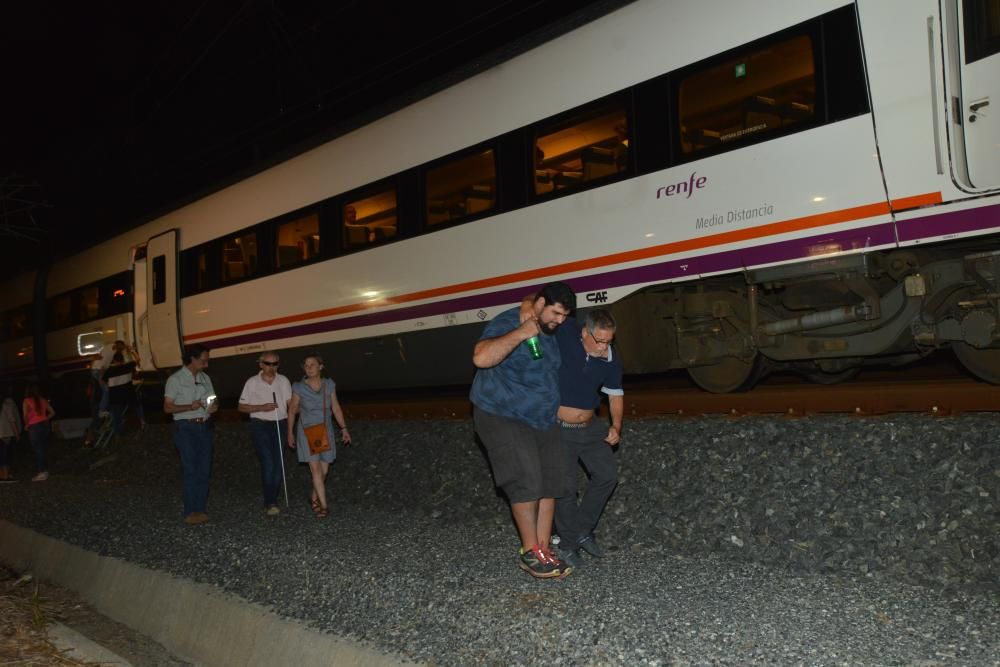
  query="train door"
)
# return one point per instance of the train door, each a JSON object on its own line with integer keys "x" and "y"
{"x": 140, "y": 323}
{"x": 162, "y": 301}
{"x": 972, "y": 79}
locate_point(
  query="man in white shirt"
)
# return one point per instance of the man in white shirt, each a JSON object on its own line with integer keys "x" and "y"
{"x": 265, "y": 398}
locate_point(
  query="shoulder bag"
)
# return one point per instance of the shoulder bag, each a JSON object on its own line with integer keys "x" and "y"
{"x": 316, "y": 434}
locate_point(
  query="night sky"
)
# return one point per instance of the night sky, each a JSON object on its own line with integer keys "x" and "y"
{"x": 112, "y": 113}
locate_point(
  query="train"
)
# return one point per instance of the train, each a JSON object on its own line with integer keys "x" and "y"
{"x": 810, "y": 185}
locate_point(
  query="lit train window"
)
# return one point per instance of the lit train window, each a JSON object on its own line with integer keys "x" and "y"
{"x": 982, "y": 29}
{"x": 60, "y": 312}
{"x": 752, "y": 93}
{"x": 89, "y": 343}
{"x": 116, "y": 294}
{"x": 591, "y": 145}
{"x": 239, "y": 257}
{"x": 298, "y": 241}
{"x": 88, "y": 307}
{"x": 197, "y": 270}
{"x": 461, "y": 188}
{"x": 370, "y": 220}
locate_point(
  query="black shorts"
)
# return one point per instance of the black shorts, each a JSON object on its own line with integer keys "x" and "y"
{"x": 527, "y": 463}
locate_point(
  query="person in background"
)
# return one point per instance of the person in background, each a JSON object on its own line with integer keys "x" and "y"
{"x": 101, "y": 364}
{"x": 314, "y": 401}
{"x": 190, "y": 398}
{"x": 10, "y": 432}
{"x": 516, "y": 396}
{"x": 118, "y": 378}
{"x": 137, "y": 381}
{"x": 37, "y": 418}
{"x": 265, "y": 398}
{"x": 95, "y": 393}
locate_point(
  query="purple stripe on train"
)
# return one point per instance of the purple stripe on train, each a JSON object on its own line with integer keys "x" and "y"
{"x": 730, "y": 260}
{"x": 956, "y": 222}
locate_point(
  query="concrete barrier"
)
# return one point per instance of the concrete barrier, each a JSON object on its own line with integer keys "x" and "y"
{"x": 196, "y": 622}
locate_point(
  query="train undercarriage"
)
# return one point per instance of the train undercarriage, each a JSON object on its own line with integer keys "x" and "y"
{"x": 824, "y": 319}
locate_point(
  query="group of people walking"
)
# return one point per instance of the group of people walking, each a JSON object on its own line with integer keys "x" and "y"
{"x": 305, "y": 417}
{"x": 539, "y": 382}
{"x": 540, "y": 378}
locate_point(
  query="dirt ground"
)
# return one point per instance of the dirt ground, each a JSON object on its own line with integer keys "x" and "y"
{"x": 28, "y": 606}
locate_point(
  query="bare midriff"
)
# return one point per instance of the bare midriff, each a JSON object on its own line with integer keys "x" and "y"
{"x": 574, "y": 415}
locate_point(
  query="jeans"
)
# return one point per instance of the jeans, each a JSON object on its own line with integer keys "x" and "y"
{"x": 270, "y": 453}
{"x": 194, "y": 444}
{"x": 117, "y": 417}
{"x": 39, "y": 436}
{"x": 105, "y": 399}
{"x": 576, "y": 521}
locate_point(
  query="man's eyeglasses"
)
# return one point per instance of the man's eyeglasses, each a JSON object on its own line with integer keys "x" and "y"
{"x": 270, "y": 363}
{"x": 598, "y": 340}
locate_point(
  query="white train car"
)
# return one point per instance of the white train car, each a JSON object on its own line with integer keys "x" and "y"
{"x": 810, "y": 184}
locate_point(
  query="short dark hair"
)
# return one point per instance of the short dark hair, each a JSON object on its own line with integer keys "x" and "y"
{"x": 558, "y": 292}
{"x": 194, "y": 351}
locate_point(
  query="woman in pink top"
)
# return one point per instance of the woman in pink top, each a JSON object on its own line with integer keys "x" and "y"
{"x": 37, "y": 413}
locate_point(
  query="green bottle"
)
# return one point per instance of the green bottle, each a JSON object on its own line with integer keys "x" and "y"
{"x": 534, "y": 347}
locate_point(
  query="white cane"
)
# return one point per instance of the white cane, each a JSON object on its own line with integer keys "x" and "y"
{"x": 281, "y": 452}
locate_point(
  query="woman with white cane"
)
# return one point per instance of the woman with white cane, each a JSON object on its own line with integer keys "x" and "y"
{"x": 265, "y": 398}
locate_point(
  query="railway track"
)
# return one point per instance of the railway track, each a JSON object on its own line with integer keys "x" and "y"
{"x": 938, "y": 389}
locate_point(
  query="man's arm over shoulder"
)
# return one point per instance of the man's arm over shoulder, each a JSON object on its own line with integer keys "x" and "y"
{"x": 491, "y": 351}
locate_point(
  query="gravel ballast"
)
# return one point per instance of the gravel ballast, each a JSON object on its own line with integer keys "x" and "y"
{"x": 826, "y": 540}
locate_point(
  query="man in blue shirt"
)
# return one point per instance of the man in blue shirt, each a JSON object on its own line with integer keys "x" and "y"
{"x": 589, "y": 368}
{"x": 516, "y": 397}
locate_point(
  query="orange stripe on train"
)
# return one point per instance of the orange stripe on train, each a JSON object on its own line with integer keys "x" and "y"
{"x": 772, "y": 229}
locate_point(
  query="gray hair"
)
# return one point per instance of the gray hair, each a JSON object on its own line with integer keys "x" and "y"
{"x": 599, "y": 318}
{"x": 268, "y": 354}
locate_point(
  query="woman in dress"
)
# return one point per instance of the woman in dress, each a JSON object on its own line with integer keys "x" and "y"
{"x": 37, "y": 416}
{"x": 314, "y": 402}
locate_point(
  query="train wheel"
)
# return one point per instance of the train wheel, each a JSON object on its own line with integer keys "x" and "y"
{"x": 984, "y": 363}
{"x": 819, "y": 377}
{"x": 730, "y": 374}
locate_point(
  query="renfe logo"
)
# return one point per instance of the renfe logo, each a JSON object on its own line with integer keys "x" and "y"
{"x": 688, "y": 186}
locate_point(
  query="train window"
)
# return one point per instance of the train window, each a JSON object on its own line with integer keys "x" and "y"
{"x": 461, "y": 188}
{"x": 19, "y": 322}
{"x": 61, "y": 311}
{"x": 298, "y": 241}
{"x": 588, "y": 146}
{"x": 196, "y": 270}
{"x": 159, "y": 279}
{"x": 115, "y": 292}
{"x": 749, "y": 94}
{"x": 88, "y": 306}
{"x": 982, "y": 29}
{"x": 239, "y": 257}
{"x": 370, "y": 220}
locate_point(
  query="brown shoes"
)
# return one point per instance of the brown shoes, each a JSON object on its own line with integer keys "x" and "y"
{"x": 196, "y": 518}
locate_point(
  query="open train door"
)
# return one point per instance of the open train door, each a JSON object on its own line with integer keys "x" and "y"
{"x": 972, "y": 79}
{"x": 140, "y": 310}
{"x": 163, "y": 301}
